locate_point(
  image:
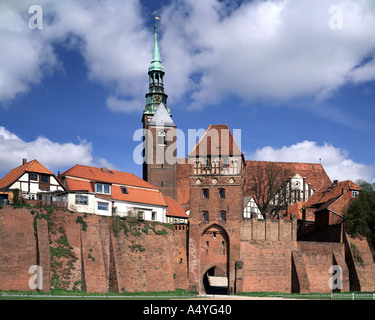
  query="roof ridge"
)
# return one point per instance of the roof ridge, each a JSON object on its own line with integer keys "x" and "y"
{"x": 291, "y": 162}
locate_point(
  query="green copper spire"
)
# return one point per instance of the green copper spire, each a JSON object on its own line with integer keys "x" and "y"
{"x": 156, "y": 60}
{"x": 156, "y": 94}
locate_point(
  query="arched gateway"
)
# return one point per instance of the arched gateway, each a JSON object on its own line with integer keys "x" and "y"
{"x": 214, "y": 260}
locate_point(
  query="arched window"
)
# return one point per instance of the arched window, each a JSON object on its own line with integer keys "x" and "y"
{"x": 161, "y": 138}
{"x": 205, "y": 216}
{"x": 222, "y": 193}
{"x": 223, "y": 216}
{"x": 206, "y": 194}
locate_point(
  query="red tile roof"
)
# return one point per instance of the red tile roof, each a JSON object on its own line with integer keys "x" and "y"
{"x": 33, "y": 166}
{"x": 175, "y": 209}
{"x": 330, "y": 191}
{"x": 83, "y": 178}
{"x": 107, "y": 176}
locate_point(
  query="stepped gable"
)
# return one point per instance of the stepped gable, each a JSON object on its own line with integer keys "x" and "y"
{"x": 32, "y": 166}
{"x": 217, "y": 141}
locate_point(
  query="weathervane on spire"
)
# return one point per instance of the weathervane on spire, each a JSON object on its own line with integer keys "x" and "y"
{"x": 156, "y": 18}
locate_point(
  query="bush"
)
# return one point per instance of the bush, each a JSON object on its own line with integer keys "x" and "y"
{"x": 360, "y": 214}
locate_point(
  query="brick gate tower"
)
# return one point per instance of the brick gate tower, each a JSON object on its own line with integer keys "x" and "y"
{"x": 217, "y": 171}
{"x": 159, "y": 130}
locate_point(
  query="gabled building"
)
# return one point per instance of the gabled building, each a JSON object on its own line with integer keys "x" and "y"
{"x": 251, "y": 208}
{"x": 325, "y": 209}
{"x": 33, "y": 180}
{"x": 112, "y": 193}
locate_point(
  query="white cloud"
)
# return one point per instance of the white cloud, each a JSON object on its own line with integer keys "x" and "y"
{"x": 335, "y": 161}
{"x": 269, "y": 50}
{"x": 108, "y": 34}
{"x": 53, "y": 155}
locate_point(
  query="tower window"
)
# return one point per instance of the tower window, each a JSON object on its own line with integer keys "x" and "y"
{"x": 223, "y": 216}
{"x": 205, "y": 194}
{"x": 205, "y": 216}
{"x": 222, "y": 193}
{"x": 162, "y": 141}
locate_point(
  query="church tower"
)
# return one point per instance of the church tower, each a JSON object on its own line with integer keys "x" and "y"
{"x": 159, "y": 130}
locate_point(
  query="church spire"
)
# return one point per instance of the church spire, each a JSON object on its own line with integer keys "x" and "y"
{"x": 156, "y": 60}
{"x": 156, "y": 94}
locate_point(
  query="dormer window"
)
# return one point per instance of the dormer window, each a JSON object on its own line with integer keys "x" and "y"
{"x": 103, "y": 188}
{"x": 124, "y": 190}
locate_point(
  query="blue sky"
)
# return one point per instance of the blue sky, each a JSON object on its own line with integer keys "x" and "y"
{"x": 299, "y": 89}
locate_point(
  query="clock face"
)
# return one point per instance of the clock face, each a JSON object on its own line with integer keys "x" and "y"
{"x": 157, "y": 98}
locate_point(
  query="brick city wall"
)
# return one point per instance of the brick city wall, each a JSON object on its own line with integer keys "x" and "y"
{"x": 360, "y": 261}
{"x": 265, "y": 266}
{"x": 266, "y": 255}
{"x": 92, "y": 253}
{"x": 314, "y": 263}
{"x": 84, "y": 252}
{"x": 18, "y": 248}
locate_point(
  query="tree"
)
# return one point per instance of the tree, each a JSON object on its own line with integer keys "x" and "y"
{"x": 360, "y": 213}
{"x": 269, "y": 185}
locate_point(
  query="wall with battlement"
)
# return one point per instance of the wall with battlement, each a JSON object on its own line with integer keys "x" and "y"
{"x": 269, "y": 230}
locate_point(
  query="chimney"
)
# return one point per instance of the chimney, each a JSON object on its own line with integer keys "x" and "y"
{"x": 24, "y": 161}
{"x": 335, "y": 182}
